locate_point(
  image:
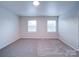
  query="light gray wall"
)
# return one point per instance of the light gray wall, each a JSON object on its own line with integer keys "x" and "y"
{"x": 41, "y": 27}
{"x": 68, "y": 27}
{"x": 9, "y": 25}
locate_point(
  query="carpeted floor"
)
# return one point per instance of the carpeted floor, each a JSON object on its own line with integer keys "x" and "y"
{"x": 37, "y": 48}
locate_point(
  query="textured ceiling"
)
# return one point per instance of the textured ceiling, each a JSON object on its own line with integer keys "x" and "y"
{"x": 46, "y": 8}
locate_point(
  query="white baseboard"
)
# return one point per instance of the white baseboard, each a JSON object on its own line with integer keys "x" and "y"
{"x": 9, "y": 43}
{"x": 41, "y": 37}
{"x": 67, "y": 43}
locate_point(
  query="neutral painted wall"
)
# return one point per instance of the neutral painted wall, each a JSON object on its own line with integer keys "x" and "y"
{"x": 68, "y": 27}
{"x": 41, "y": 27}
{"x": 8, "y": 27}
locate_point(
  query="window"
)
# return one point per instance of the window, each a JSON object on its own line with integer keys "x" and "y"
{"x": 51, "y": 25}
{"x": 32, "y": 26}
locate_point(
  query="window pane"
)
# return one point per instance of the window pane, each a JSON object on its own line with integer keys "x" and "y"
{"x": 51, "y": 29}
{"x": 32, "y": 26}
{"x": 51, "y": 23}
{"x": 32, "y": 29}
{"x": 51, "y": 26}
{"x": 32, "y": 23}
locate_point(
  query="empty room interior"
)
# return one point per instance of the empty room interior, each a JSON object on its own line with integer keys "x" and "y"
{"x": 39, "y": 28}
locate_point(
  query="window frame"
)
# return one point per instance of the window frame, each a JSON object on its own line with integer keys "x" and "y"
{"x": 31, "y": 26}
{"x": 56, "y": 26}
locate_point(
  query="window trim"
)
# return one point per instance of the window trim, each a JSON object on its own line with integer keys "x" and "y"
{"x": 31, "y": 26}
{"x": 55, "y": 27}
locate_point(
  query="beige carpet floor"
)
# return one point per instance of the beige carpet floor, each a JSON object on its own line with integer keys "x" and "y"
{"x": 37, "y": 48}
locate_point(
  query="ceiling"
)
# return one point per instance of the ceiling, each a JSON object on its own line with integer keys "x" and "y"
{"x": 46, "y": 8}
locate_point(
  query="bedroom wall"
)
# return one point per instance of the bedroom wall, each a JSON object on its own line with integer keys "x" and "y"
{"x": 41, "y": 27}
{"x": 9, "y": 26}
{"x": 68, "y": 27}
